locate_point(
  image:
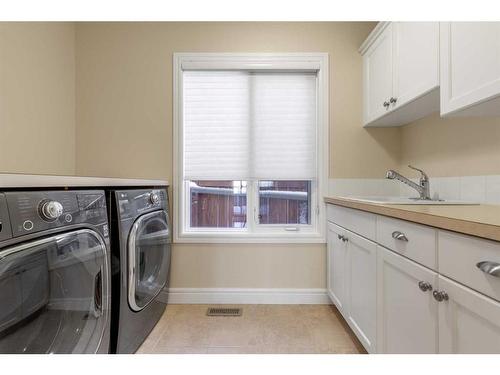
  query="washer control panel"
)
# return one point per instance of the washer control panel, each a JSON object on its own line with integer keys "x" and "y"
{"x": 35, "y": 211}
{"x": 134, "y": 202}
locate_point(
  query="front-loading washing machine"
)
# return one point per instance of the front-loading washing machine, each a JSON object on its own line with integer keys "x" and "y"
{"x": 141, "y": 250}
{"x": 55, "y": 293}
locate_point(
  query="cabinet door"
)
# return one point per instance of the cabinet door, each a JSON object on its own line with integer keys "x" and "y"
{"x": 336, "y": 264}
{"x": 416, "y": 60}
{"x": 469, "y": 322}
{"x": 470, "y": 66}
{"x": 407, "y": 317}
{"x": 377, "y": 76}
{"x": 361, "y": 289}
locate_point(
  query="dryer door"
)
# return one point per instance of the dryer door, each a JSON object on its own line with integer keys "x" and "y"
{"x": 54, "y": 294}
{"x": 148, "y": 258}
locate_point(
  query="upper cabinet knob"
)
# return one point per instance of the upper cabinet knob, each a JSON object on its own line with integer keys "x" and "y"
{"x": 393, "y": 100}
{"x": 386, "y": 104}
{"x": 51, "y": 210}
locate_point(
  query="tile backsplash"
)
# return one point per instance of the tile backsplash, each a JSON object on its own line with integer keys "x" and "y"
{"x": 481, "y": 189}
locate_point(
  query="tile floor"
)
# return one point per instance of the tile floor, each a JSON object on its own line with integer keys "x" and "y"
{"x": 261, "y": 329}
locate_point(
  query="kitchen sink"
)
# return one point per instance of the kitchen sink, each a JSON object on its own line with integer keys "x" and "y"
{"x": 403, "y": 200}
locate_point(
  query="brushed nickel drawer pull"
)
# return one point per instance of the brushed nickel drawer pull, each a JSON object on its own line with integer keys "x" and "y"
{"x": 490, "y": 268}
{"x": 397, "y": 235}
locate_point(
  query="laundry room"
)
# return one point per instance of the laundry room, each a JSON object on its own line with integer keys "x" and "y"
{"x": 220, "y": 186}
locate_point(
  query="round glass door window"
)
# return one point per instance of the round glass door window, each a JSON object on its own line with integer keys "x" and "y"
{"x": 54, "y": 294}
{"x": 149, "y": 258}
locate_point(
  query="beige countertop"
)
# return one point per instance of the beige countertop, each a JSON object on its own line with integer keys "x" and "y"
{"x": 476, "y": 220}
{"x": 9, "y": 180}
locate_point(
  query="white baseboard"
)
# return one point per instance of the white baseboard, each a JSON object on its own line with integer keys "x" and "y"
{"x": 236, "y": 296}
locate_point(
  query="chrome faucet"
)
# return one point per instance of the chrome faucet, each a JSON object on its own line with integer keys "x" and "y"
{"x": 423, "y": 186}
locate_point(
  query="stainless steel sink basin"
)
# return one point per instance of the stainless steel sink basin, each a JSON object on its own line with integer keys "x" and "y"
{"x": 403, "y": 200}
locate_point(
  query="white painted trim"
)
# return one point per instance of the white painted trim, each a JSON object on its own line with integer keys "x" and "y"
{"x": 265, "y": 296}
{"x": 379, "y": 28}
{"x": 317, "y": 233}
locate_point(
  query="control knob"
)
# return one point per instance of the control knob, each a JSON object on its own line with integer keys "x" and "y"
{"x": 51, "y": 210}
{"x": 154, "y": 198}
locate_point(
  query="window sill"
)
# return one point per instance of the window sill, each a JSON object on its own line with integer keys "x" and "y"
{"x": 249, "y": 238}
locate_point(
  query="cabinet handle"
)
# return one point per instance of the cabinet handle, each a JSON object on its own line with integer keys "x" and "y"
{"x": 424, "y": 286}
{"x": 490, "y": 268}
{"x": 440, "y": 296}
{"x": 343, "y": 238}
{"x": 397, "y": 235}
{"x": 393, "y": 100}
{"x": 386, "y": 105}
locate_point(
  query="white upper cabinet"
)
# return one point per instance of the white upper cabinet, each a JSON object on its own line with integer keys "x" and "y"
{"x": 470, "y": 68}
{"x": 400, "y": 73}
{"x": 416, "y": 60}
{"x": 377, "y": 73}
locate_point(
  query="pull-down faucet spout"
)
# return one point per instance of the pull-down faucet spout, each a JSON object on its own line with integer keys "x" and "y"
{"x": 422, "y": 188}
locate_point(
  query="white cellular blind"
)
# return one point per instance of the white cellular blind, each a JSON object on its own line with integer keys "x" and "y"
{"x": 241, "y": 125}
{"x": 216, "y": 127}
{"x": 284, "y": 126}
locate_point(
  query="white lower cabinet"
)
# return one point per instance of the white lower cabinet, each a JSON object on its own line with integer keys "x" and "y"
{"x": 469, "y": 322}
{"x": 407, "y": 314}
{"x": 352, "y": 263}
{"x": 361, "y": 289}
{"x": 404, "y": 303}
{"x": 336, "y": 260}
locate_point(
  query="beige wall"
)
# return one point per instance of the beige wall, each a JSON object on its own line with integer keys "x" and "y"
{"x": 124, "y": 91}
{"x": 452, "y": 146}
{"x": 37, "y": 98}
{"x": 249, "y": 266}
{"x": 124, "y": 126}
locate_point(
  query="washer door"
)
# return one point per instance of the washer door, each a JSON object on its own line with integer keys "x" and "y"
{"x": 148, "y": 258}
{"x": 54, "y": 294}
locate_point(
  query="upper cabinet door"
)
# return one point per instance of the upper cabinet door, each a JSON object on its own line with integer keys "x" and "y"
{"x": 401, "y": 70}
{"x": 470, "y": 68}
{"x": 416, "y": 60}
{"x": 377, "y": 75}
{"x": 469, "y": 322}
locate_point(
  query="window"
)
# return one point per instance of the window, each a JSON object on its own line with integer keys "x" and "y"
{"x": 249, "y": 137}
{"x": 218, "y": 204}
{"x": 284, "y": 202}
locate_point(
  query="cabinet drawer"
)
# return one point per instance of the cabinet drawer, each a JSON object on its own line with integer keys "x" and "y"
{"x": 458, "y": 258}
{"x": 360, "y": 222}
{"x": 415, "y": 241}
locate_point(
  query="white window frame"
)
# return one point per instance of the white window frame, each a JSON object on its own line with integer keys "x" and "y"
{"x": 267, "y": 233}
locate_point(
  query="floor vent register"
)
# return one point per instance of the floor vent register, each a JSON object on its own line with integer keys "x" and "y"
{"x": 224, "y": 311}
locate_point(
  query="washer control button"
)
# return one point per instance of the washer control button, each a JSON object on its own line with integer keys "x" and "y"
{"x": 68, "y": 218}
{"x": 28, "y": 225}
{"x": 51, "y": 210}
{"x": 154, "y": 198}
